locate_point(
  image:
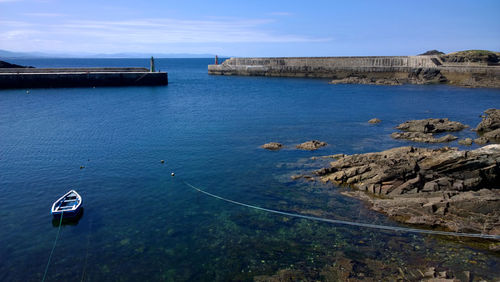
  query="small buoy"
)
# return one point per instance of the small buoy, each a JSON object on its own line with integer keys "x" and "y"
{"x": 162, "y": 161}
{"x": 172, "y": 174}
{"x": 82, "y": 167}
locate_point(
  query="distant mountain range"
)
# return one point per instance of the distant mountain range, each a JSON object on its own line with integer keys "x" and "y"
{"x": 9, "y": 54}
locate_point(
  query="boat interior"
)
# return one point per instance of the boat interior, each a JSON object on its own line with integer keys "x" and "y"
{"x": 68, "y": 203}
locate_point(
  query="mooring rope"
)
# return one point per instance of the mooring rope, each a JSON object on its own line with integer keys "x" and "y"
{"x": 57, "y": 236}
{"x": 53, "y": 247}
{"x": 351, "y": 223}
{"x": 87, "y": 252}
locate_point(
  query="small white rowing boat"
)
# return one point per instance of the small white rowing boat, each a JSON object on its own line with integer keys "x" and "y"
{"x": 68, "y": 205}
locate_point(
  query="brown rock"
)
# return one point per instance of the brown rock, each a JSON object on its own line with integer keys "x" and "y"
{"x": 455, "y": 189}
{"x": 490, "y": 122}
{"x": 365, "y": 80}
{"x": 466, "y": 142}
{"x": 281, "y": 275}
{"x": 311, "y": 145}
{"x": 374, "y": 120}
{"x": 273, "y": 146}
{"x": 430, "y": 272}
{"x": 492, "y": 135}
{"x": 481, "y": 141}
{"x": 422, "y": 137}
{"x": 336, "y": 156}
{"x": 431, "y": 125}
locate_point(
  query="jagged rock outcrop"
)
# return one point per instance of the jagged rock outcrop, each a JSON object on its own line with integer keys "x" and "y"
{"x": 489, "y": 127}
{"x": 492, "y": 135}
{"x": 423, "y": 137}
{"x": 459, "y": 190}
{"x": 422, "y": 130}
{"x": 374, "y": 120}
{"x": 426, "y": 76}
{"x": 431, "y": 125}
{"x": 273, "y": 146}
{"x": 311, "y": 145}
{"x": 490, "y": 122}
{"x": 366, "y": 80}
{"x": 415, "y": 76}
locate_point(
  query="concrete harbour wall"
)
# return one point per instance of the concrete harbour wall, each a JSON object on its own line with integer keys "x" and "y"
{"x": 79, "y": 77}
{"x": 401, "y": 68}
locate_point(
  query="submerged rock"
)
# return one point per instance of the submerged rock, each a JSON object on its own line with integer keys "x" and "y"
{"x": 273, "y": 146}
{"x": 281, "y": 275}
{"x": 336, "y": 156}
{"x": 311, "y": 145}
{"x": 374, "y": 120}
{"x": 455, "y": 189}
{"x": 423, "y": 137}
{"x": 431, "y": 125}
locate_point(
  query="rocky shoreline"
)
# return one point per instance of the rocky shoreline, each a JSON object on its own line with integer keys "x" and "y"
{"x": 414, "y": 76}
{"x": 457, "y": 190}
{"x": 443, "y": 187}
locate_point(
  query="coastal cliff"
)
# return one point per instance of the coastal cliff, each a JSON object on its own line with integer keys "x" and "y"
{"x": 455, "y": 69}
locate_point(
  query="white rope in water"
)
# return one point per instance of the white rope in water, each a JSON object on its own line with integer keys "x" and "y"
{"x": 359, "y": 224}
{"x": 53, "y": 247}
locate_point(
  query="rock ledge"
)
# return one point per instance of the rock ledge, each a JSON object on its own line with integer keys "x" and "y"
{"x": 459, "y": 190}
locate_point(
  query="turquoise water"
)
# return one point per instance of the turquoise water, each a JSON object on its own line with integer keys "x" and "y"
{"x": 140, "y": 223}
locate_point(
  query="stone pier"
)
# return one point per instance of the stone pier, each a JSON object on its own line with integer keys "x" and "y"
{"x": 403, "y": 69}
{"x": 79, "y": 77}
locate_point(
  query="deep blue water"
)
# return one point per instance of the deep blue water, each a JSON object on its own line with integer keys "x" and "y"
{"x": 140, "y": 223}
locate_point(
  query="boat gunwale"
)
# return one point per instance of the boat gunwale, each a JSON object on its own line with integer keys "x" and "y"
{"x": 73, "y": 209}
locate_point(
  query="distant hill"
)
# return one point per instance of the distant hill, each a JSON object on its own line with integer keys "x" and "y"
{"x": 156, "y": 55}
{"x": 432, "y": 52}
{"x": 9, "y": 65}
{"x": 9, "y": 54}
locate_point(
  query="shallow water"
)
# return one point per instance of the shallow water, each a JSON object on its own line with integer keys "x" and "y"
{"x": 141, "y": 223}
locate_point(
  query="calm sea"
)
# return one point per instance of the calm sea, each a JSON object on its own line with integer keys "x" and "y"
{"x": 140, "y": 223}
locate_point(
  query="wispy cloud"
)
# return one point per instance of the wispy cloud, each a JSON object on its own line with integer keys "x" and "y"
{"x": 139, "y": 33}
{"x": 286, "y": 14}
{"x": 44, "y": 15}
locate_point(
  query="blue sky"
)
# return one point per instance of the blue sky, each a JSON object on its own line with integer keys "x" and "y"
{"x": 249, "y": 28}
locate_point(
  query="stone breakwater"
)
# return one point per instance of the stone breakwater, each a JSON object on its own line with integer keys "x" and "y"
{"x": 79, "y": 77}
{"x": 393, "y": 70}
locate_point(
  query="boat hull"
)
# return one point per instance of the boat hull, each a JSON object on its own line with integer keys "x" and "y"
{"x": 72, "y": 213}
{"x": 69, "y": 205}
